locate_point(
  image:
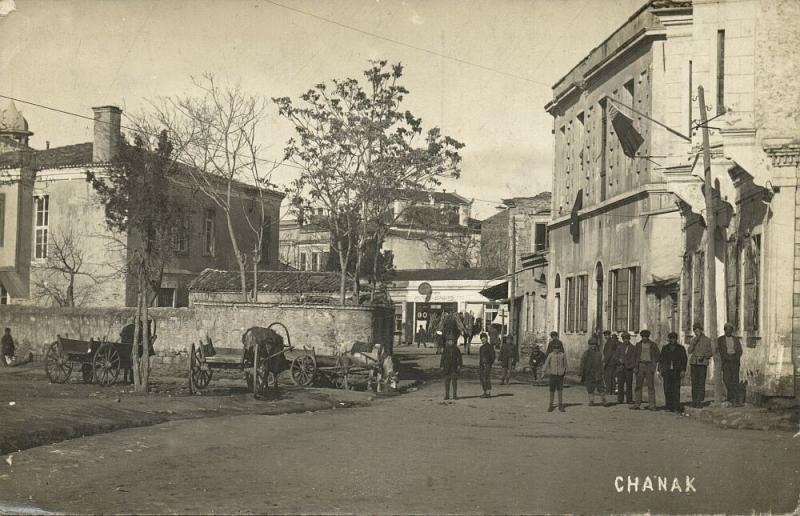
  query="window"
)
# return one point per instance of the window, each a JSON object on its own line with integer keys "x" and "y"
{"x": 603, "y": 142}
{"x": 699, "y": 287}
{"x": 209, "y": 233}
{"x": 180, "y": 236}
{"x": 624, "y": 299}
{"x": 720, "y": 72}
{"x": 166, "y": 297}
{"x": 4, "y": 297}
{"x": 2, "y": 218}
{"x": 752, "y": 261}
{"x": 732, "y": 268}
{"x": 630, "y": 90}
{"x": 302, "y": 261}
{"x": 42, "y": 205}
{"x": 686, "y": 294}
{"x": 315, "y": 256}
{"x": 583, "y": 303}
{"x": 540, "y": 237}
{"x": 570, "y": 306}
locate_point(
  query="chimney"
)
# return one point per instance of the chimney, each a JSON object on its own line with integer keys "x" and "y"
{"x": 106, "y": 133}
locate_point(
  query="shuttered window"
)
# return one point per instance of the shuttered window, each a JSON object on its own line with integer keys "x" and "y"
{"x": 698, "y": 288}
{"x": 570, "y": 315}
{"x": 732, "y": 283}
{"x": 621, "y": 286}
{"x": 752, "y": 256}
{"x": 686, "y": 294}
{"x": 583, "y": 306}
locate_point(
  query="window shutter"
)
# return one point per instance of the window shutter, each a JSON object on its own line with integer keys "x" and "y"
{"x": 635, "y": 281}
{"x": 752, "y": 258}
{"x": 732, "y": 282}
{"x": 621, "y": 301}
{"x": 699, "y": 287}
{"x": 584, "y": 303}
{"x": 612, "y": 280}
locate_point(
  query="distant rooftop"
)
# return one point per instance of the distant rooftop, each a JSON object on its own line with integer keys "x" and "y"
{"x": 283, "y": 281}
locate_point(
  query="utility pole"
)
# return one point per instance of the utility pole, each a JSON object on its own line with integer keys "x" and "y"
{"x": 711, "y": 249}
{"x": 512, "y": 280}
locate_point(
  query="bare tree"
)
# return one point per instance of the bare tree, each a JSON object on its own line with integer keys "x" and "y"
{"x": 66, "y": 278}
{"x": 216, "y": 134}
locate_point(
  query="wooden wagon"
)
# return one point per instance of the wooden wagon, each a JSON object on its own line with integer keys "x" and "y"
{"x": 99, "y": 361}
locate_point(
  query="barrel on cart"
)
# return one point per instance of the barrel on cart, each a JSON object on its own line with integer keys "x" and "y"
{"x": 99, "y": 361}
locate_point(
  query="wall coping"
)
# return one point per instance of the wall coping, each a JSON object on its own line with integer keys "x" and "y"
{"x": 234, "y": 304}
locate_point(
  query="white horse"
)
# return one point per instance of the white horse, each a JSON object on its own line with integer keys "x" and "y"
{"x": 381, "y": 366}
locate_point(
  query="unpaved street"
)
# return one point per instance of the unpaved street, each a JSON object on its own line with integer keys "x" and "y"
{"x": 414, "y": 453}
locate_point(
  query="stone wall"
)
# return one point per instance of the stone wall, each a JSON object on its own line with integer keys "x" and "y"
{"x": 323, "y": 327}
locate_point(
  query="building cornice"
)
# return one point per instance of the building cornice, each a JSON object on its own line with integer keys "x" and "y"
{"x": 613, "y": 202}
{"x": 784, "y": 154}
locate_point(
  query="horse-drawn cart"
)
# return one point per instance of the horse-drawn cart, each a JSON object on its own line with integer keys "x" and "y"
{"x": 100, "y": 362}
{"x": 264, "y": 347}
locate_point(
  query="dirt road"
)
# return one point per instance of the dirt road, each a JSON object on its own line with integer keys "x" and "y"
{"x": 416, "y": 454}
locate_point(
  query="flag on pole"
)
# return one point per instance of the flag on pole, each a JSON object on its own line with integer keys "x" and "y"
{"x": 629, "y": 137}
{"x": 574, "y": 228}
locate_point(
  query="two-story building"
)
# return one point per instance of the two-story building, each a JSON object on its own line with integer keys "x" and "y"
{"x": 49, "y": 209}
{"x": 616, "y": 227}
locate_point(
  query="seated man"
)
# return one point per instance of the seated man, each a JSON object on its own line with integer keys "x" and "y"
{"x": 9, "y": 350}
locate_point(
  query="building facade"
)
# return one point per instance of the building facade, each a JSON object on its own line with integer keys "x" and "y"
{"x": 50, "y": 212}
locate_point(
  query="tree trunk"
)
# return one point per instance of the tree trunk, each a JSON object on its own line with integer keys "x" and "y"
{"x": 137, "y": 327}
{"x": 343, "y": 271}
{"x": 356, "y": 277}
{"x": 256, "y": 258}
{"x": 375, "y": 259}
{"x": 71, "y": 291}
{"x": 145, "y": 386}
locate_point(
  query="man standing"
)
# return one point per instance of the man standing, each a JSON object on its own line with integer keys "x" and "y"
{"x": 451, "y": 364}
{"x": 672, "y": 367}
{"x": 729, "y": 348}
{"x": 421, "y": 337}
{"x": 699, "y": 354}
{"x": 610, "y": 345}
{"x": 486, "y": 354}
{"x": 553, "y": 343}
{"x": 508, "y": 358}
{"x": 467, "y": 323}
{"x": 645, "y": 360}
{"x": 625, "y": 363}
{"x": 494, "y": 336}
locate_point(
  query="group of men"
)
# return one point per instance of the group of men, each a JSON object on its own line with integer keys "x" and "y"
{"x": 450, "y": 326}
{"x": 623, "y": 362}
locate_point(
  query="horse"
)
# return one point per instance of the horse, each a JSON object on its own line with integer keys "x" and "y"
{"x": 382, "y": 371}
{"x": 270, "y": 347}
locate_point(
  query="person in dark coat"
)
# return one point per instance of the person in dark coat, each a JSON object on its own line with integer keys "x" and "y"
{"x": 508, "y": 358}
{"x": 421, "y": 337}
{"x": 592, "y": 371}
{"x": 625, "y": 362}
{"x": 487, "y": 356}
{"x": 494, "y": 335}
{"x": 451, "y": 364}
{"x": 9, "y": 351}
{"x": 536, "y": 361}
{"x": 553, "y": 343}
{"x": 700, "y": 352}
{"x": 672, "y": 367}
{"x": 646, "y": 360}
{"x": 609, "y": 367}
{"x": 729, "y": 348}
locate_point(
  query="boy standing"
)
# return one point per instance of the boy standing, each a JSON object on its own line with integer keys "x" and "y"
{"x": 451, "y": 363}
{"x": 591, "y": 371}
{"x": 555, "y": 365}
{"x": 486, "y": 353}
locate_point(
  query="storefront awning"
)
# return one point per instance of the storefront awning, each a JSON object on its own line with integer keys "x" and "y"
{"x": 497, "y": 292}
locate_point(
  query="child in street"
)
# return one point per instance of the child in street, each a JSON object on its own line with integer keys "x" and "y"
{"x": 591, "y": 371}
{"x": 486, "y": 353}
{"x": 555, "y": 366}
{"x": 536, "y": 361}
{"x": 451, "y": 363}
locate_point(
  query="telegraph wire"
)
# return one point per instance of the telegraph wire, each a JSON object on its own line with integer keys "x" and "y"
{"x": 408, "y": 45}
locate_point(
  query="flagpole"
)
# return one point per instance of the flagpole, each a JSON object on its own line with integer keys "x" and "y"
{"x": 711, "y": 249}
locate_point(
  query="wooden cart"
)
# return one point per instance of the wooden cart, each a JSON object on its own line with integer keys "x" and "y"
{"x": 100, "y": 362}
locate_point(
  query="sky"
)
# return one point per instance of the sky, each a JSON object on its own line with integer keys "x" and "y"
{"x": 75, "y": 54}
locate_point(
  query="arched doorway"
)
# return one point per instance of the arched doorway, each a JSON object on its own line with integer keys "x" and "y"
{"x": 598, "y": 317}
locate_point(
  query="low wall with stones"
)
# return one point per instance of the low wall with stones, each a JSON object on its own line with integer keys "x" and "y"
{"x": 324, "y": 327}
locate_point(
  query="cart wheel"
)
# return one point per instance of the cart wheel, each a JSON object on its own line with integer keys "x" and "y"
{"x": 56, "y": 364}
{"x": 199, "y": 373}
{"x": 106, "y": 364}
{"x": 303, "y": 370}
{"x": 87, "y": 372}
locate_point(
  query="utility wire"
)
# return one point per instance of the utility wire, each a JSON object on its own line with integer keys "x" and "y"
{"x": 408, "y": 45}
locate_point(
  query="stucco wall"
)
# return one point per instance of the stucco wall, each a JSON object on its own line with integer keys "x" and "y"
{"x": 323, "y": 327}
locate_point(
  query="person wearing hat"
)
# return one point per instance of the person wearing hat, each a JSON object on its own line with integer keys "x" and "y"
{"x": 645, "y": 360}
{"x": 729, "y": 348}
{"x": 700, "y": 352}
{"x": 672, "y": 367}
{"x": 591, "y": 371}
{"x": 610, "y": 345}
{"x": 624, "y": 360}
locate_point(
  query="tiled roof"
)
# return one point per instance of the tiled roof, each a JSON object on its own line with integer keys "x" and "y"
{"x": 66, "y": 156}
{"x": 540, "y": 202}
{"x": 212, "y": 280}
{"x": 446, "y": 274}
{"x": 423, "y": 197}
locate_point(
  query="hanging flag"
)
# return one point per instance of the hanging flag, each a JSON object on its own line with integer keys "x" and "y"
{"x": 574, "y": 228}
{"x": 629, "y": 137}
